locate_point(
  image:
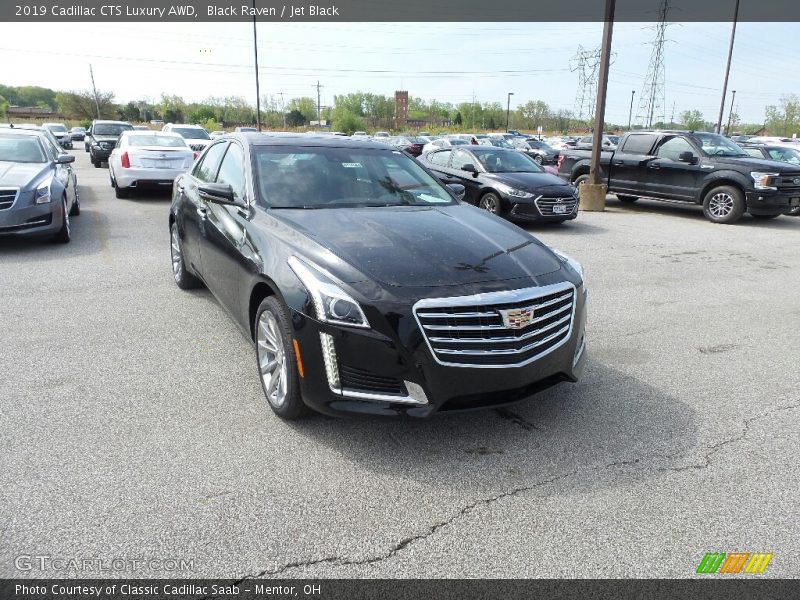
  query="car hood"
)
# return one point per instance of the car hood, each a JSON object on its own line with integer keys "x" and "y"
{"x": 105, "y": 138}
{"x": 757, "y": 164}
{"x": 530, "y": 181}
{"x": 21, "y": 175}
{"x": 424, "y": 246}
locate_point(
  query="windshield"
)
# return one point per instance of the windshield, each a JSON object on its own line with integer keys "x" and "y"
{"x": 502, "y": 161}
{"x": 56, "y": 127}
{"x": 716, "y": 145}
{"x": 192, "y": 133}
{"x": 110, "y": 128}
{"x": 166, "y": 141}
{"x": 458, "y": 142}
{"x": 788, "y": 155}
{"x": 321, "y": 177}
{"x": 23, "y": 149}
{"x": 614, "y": 139}
{"x": 78, "y": 129}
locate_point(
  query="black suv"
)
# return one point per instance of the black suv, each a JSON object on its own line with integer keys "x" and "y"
{"x": 101, "y": 139}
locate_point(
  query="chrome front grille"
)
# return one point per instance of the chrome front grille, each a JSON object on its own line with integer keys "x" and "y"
{"x": 547, "y": 206}
{"x": 499, "y": 329}
{"x": 197, "y": 147}
{"x": 7, "y": 197}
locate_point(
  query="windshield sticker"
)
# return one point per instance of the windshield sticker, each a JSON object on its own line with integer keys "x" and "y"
{"x": 429, "y": 198}
{"x": 352, "y": 165}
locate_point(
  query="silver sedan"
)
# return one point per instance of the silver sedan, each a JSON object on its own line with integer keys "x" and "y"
{"x": 148, "y": 159}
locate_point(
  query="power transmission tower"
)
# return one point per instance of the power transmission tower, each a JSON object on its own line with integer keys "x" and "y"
{"x": 652, "y": 100}
{"x": 587, "y": 64}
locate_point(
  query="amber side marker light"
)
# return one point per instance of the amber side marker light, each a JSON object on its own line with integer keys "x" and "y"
{"x": 296, "y": 347}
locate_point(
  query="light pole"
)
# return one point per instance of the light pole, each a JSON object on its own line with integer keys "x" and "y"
{"x": 730, "y": 114}
{"x": 508, "y": 109}
{"x": 255, "y": 56}
{"x": 630, "y": 112}
{"x": 727, "y": 68}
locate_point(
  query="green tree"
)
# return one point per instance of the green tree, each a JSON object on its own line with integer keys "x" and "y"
{"x": 130, "y": 112}
{"x": 458, "y": 120}
{"x": 346, "y": 121}
{"x": 81, "y": 105}
{"x": 172, "y": 108}
{"x": 693, "y": 120}
{"x": 295, "y": 118}
{"x": 3, "y": 107}
{"x": 305, "y": 106}
{"x": 533, "y": 114}
{"x": 202, "y": 113}
{"x": 784, "y": 119}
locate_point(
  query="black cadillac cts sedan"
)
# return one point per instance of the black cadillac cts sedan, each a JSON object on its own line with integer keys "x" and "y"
{"x": 366, "y": 286}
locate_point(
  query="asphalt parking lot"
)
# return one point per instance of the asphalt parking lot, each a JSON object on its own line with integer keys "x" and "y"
{"x": 132, "y": 423}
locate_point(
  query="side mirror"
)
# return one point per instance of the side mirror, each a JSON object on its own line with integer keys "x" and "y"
{"x": 64, "y": 159}
{"x": 687, "y": 157}
{"x": 469, "y": 168}
{"x": 458, "y": 189}
{"x": 219, "y": 193}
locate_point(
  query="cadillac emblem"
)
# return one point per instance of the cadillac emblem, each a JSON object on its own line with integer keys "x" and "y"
{"x": 796, "y": 181}
{"x": 517, "y": 318}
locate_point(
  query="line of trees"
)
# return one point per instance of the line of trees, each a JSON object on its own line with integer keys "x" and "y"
{"x": 356, "y": 111}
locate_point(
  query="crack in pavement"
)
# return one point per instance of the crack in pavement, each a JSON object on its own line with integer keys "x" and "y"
{"x": 473, "y": 506}
{"x": 509, "y": 415}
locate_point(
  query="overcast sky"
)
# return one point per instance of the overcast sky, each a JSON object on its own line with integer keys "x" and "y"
{"x": 448, "y": 61}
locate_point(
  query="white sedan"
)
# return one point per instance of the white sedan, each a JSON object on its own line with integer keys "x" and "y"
{"x": 153, "y": 159}
{"x": 440, "y": 143}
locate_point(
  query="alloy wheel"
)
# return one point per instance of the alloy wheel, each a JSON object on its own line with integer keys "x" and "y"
{"x": 272, "y": 358}
{"x": 489, "y": 203}
{"x": 177, "y": 255}
{"x": 721, "y": 205}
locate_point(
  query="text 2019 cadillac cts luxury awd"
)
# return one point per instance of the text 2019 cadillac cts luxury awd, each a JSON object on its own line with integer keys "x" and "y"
{"x": 366, "y": 286}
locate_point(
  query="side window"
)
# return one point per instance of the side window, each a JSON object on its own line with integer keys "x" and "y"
{"x": 441, "y": 158}
{"x": 461, "y": 158}
{"x": 673, "y": 148}
{"x": 754, "y": 152}
{"x": 206, "y": 169}
{"x": 232, "y": 171}
{"x": 638, "y": 144}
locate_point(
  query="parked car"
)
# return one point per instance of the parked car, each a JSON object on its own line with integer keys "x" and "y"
{"x": 61, "y": 134}
{"x": 148, "y": 160}
{"x": 411, "y": 145}
{"x": 77, "y": 134}
{"x": 101, "y": 139}
{"x": 765, "y": 139}
{"x": 696, "y": 167}
{"x": 381, "y": 134}
{"x": 560, "y": 143}
{"x": 360, "y": 134}
{"x": 195, "y": 136}
{"x": 505, "y": 182}
{"x": 444, "y": 142}
{"x": 141, "y": 128}
{"x": 541, "y": 152}
{"x": 38, "y": 187}
{"x": 245, "y": 129}
{"x": 216, "y": 134}
{"x": 739, "y": 139}
{"x": 787, "y": 153}
{"x": 350, "y": 267}
{"x": 585, "y": 143}
{"x": 495, "y": 141}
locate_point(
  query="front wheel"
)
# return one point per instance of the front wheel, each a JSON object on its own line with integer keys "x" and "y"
{"x": 97, "y": 163}
{"x": 276, "y": 361}
{"x": 64, "y": 235}
{"x": 183, "y": 279}
{"x": 579, "y": 181}
{"x": 795, "y": 212}
{"x": 490, "y": 202}
{"x": 538, "y": 159}
{"x": 724, "y": 205}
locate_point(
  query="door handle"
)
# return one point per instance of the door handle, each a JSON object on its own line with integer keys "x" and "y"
{"x": 203, "y": 212}
{"x": 618, "y": 163}
{"x": 654, "y": 165}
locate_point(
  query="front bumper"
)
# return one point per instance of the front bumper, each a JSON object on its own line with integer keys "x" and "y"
{"x": 144, "y": 177}
{"x": 426, "y": 387}
{"x": 100, "y": 153}
{"x": 531, "y": 211}
{"x": 772, "y": 202}
{"x": 39, "y": 219}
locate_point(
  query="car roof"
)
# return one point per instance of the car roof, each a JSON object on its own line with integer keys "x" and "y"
{"x": 110, "y": 121}
{"x": 306, "y": 139}
{"x": 27, "y": 131}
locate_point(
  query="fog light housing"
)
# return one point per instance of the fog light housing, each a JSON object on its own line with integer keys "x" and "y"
{"x": 579, "y": 349}
{"x": 331, "y": 362}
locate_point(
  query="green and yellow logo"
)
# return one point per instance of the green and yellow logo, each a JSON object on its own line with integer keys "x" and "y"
{"x": 734, "y": 562}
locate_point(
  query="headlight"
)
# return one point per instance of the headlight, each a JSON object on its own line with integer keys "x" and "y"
{"x": 567, "y": 259}
{"x": 42, "y": 194}
{"x": 331, "y": 302}
{"x": 762, "y": 180}
{"x": 507, "y": 189}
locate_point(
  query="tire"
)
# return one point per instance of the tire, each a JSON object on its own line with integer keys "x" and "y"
{"x": 76, "y": 206}
{"x": 724, "y": 205}
{"x": 795, "y": 212}
{"x": 183, "y": 279}
{"x": 275, "y": 360}
{"x": 64, "y": 235}
{"x": 579, "y": 181}
{"x": 491, "y": 202}
{"x": 764, "y": 217}
{"x": 121, "y": 192}
{"x": 627, "y": 199}
{"x": 86, "y": 147}
{"x": 538, "y": 159}
{"x": 97, "y": 163}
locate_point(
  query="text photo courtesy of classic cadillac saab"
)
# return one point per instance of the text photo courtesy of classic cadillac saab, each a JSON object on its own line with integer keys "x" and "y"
{"x": 505, "y": 182}
{"x": 38, "y": 187}
{"x": 366, "y": 286}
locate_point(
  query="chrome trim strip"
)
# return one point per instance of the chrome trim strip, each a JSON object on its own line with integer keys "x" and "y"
{"x": 503, "y": 297}
{"x": 503, "y": 327}
{"x": 505, "y": 352}
{"x": 382, "y": 397}
{"x": 21, "y": 225}
{"x": 506, "y": 339}
{"x": 466, "y": 315}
